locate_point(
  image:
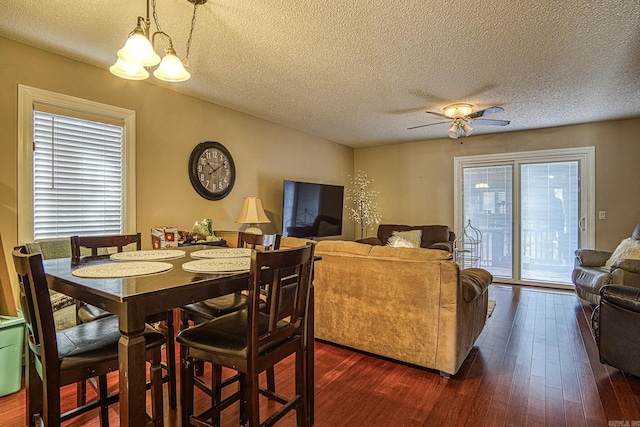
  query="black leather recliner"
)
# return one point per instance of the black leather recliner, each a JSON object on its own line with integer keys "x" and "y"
{"x": 590, "y": 274}
{"x": 616, "y": 324}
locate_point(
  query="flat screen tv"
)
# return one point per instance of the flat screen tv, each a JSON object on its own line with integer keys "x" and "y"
{"x": 312, "y": 210}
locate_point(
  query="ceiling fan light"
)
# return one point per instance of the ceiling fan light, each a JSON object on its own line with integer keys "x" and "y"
{"x": 458, "y": 110}
{"x": 171, "y": 68}
{"x": 129, "y": 71}
{"x": 138, "y": 50}
{"x": 453, "y": 131}
{"x": 466, "y": 127}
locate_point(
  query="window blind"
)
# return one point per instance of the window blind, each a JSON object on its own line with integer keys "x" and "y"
{"x": 78, "y": 176}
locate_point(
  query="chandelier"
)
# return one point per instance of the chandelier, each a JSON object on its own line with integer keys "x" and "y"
{"x": 138, "y": 52}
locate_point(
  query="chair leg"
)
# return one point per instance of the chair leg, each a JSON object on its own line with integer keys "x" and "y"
{"x": 51, "y": 404}
{"x": 34, "y": 397}
{"x": 243, "y": 400}
{"x": 216, "y": 392}
{"x": 252, "y": 399}
{"x": 271, "y": 379}
{"x": 301, "y": 390}
{"x": 81, "y": 393}
{"x": 199, "y": 367}
{"x": 186, "y": 385}
{"x": 102, "y": 396}
{"x": 171, "y": 359}
{"x": 157, "y": 410}
{"x": 184, "y": 324}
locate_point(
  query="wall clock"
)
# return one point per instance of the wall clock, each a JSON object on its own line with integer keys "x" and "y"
{"x": 211, "y": 170}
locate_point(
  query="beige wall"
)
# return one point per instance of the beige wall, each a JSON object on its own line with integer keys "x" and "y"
{"x": 169, "y": 125}
{"x": 415, "y": 180}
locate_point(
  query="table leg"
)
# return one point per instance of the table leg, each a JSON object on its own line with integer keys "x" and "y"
{"x": 309, "y": 355}
{"x": 132, "y": 365}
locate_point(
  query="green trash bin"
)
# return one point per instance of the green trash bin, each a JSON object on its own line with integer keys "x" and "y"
{"x": 11, "y": 348}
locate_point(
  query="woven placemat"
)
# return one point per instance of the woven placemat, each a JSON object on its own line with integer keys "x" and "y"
{"x": 122, "y": 269}
{"x": 218, "y": 265}
{"x": 150, "y": 255}
{"x": 222, "y": 253}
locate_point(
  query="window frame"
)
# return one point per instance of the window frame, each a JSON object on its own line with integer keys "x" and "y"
{"x": 80, "y": 108}
{"x": 586, "y": 159}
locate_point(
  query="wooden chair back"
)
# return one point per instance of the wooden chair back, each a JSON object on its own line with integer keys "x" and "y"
{"x": 37, "y": 311}
{"x": 288, "y": 285}
{"x": 46, "y": 371}
{"x": 259, "y": 241}
{"x": 94, "y": 243}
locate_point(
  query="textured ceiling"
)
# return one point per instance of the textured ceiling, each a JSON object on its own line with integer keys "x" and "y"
{"x": 361, "y": 72}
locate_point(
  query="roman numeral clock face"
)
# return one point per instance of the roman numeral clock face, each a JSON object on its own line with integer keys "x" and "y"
{"x": 211, "y": 170}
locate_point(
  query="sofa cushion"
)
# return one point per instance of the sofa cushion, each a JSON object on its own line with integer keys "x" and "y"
{"x": 413, "y": 236}
{"x": 413, "y": 254}
{"x": 342, "y": 246}
{"x": 400, "y": 242}
{"x": 294, "y": 242}
{"x": 430, "y": 233}
{"x": 629, "y": 248}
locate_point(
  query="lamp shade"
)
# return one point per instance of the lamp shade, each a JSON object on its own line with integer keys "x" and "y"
{"x": 453, "y": 131}
{"x": 128, "y": 71}
{"x": 138, "y": 50}
{"x": 171, "y": 69}
{"x": 466, "y": 127}
{"x": 252, "y": 212}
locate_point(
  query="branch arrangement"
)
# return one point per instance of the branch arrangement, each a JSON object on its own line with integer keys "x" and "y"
{"x": 365, "y": 209}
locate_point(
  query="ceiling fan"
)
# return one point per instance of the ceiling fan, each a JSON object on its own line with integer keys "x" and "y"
{"x": 462, "y": 117}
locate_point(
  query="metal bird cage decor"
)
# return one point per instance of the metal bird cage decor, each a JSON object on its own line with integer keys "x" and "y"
{"x": 467, "y": 247}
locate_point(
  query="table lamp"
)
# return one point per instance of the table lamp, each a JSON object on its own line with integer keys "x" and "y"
{"x": 252, "y": 214}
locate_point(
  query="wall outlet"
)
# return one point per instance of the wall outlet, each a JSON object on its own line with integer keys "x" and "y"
{"x": 602, "y": 215}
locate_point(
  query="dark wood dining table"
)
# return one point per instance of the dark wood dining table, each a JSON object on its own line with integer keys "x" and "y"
{"x": 133, "y": 299}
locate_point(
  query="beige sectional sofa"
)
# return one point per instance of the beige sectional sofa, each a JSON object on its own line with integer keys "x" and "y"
{"x": 409, "y": 304}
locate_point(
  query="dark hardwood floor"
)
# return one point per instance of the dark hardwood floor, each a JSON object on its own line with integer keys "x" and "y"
{"x": 536, "y": 363}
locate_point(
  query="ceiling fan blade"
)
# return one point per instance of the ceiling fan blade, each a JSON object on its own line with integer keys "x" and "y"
{"x": 486, "y": 112}
{"x": 491, "y": 122}
{"x": 438, "y": 114}
{"x": 430, "y": 124}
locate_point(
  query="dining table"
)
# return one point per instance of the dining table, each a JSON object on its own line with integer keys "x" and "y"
{"x": 135, "y": 297}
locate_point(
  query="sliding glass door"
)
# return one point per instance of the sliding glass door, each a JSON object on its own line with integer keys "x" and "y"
{"x": 532, "y": 210}
{"x": 488, "y": 207}
{"x": 550, "y": 217}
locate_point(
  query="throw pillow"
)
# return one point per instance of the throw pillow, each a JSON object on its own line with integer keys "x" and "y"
{"x": 400, "y": 242}
{"x": 414, "y": 236}
{"x": 627, "y": 249}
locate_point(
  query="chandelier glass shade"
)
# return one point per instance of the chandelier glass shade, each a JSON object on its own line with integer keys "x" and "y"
{"x": 138, "y": 52}
{"x": 171, "y": 69}
{"x": 128, "y": 70}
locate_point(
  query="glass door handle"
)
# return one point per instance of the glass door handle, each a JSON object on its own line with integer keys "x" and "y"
{"x": 582, "y": 224}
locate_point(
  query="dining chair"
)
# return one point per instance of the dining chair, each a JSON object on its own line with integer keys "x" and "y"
{"x": 73, "y": 354}
{"x": 253, "y": 340}
{"x": 212, "y": 308}
{"x": 99, "y": 247}
{"x": 215, "y": 307}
